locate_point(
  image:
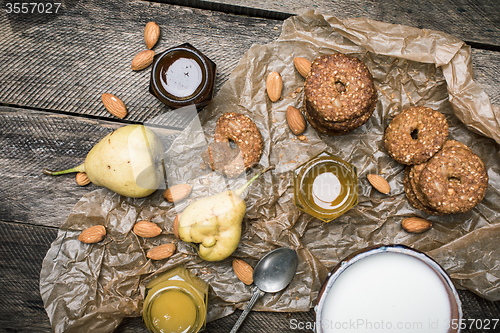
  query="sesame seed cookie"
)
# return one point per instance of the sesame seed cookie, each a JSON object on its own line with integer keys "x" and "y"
{"x": 243, "y": 131}
{"x": 454, "y": 180}
{"x": 410, "y": 195}
{"x": 414, "y": 176}
{"x": 415, "y": 135}
{"x": 342, "y": 126}
{"x": 339, "y": 88}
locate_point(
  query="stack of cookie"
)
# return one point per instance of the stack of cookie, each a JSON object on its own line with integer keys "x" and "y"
{"x": 339, "y": 94}
{"x": 443, "y": 176}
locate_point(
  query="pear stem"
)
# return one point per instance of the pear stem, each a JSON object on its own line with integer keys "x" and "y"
{"x": 244, "y": 187}
{"x": 80, "y": 168}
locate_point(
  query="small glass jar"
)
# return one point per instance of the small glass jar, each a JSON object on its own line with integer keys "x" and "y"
{"x": 325, "y": 186}
{"x": 181, "y": 76}
{"x": 175, "y": 302}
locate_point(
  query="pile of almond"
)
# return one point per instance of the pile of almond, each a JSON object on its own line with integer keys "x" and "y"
{"x": 144, "y": 229}
{"x": 141, "y": 61}
{"x": 274, "y": 87}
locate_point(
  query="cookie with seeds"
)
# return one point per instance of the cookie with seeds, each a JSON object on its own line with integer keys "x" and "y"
{"x": 416, "y": 171}
{"x": 339, "y": 126}
{"x": 412, "y": 198}
{"x": 339, "y": 93}
{"x": 454, "y": 181}
{"x": 245, "y": 134}
{"x": 415, "y": 135}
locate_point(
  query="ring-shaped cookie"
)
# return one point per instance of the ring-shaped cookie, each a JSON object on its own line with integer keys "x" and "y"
{"x": 454, "y": 181}
{"x": 415, "y": 135}
{"x": 245, "y": 134}
{"x": 337, "y": 126}
{"x": 339, "y": 87}
{"x": 410, "y": 195}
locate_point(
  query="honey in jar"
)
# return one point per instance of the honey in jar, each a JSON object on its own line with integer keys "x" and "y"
{"x": 175, "y": 302}
{"x": 325, "y": 186}
{"x": 181, "y": 76}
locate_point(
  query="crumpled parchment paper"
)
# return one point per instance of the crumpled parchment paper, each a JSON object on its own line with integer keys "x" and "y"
{"x": 93, "y": 287}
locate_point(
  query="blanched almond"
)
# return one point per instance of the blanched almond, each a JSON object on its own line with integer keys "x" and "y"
{"x": 379, "y": 183}
{"x": 274, "y": 86}
{"x": 151, "y": 34}
{"x": 114, "y": 105}
{"x": 243, "y": 271}
{"x": 82, "y": 179}
{"x": 146, "y": 229}
{"x": 295, "y": 120}
{"x": 177, "y": 192}
{"x": 161, "y": 252}
{"x": 142, "y": 60}
{"x": 416, "y": 225}
{"x": 93, "y": 234}
{"x": 302, "y": 65}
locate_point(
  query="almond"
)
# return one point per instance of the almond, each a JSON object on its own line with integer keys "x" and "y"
{"x": 176, "y": 226}
{"x": 243, "y": 271}
{"x": 114, "y": 105}
{"x": 379, "y": 183}
{"x": 82, "y": 179}
{"x": 177, "y": 192}
{"x": 142, "y": 60}
{"x": 295, "y": 120}
{"x": 146, "y": 229}
{"x": 93, "y": 234}
{"x": 161, "y": 252}
{"x": 151, "y": 34}
{"x": 416, "y": 225}
{"x": 302, "y": 65}
{"x": 274, "y": 85}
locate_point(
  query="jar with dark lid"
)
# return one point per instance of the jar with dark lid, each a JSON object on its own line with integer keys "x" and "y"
{"x": 181, "y": 76}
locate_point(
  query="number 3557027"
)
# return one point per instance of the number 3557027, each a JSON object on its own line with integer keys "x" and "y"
{"x": 31, "y": 8}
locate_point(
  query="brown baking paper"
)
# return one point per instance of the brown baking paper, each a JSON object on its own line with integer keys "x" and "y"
{"x": 92, "y": 287}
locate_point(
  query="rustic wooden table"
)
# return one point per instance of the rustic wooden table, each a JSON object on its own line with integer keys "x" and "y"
{"x": 55, "y": 66}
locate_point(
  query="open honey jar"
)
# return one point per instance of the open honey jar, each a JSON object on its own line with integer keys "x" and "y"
{"x": 181, "y": 76}
{"x": 175, "y": 301}
{"x": 325, "y": 186}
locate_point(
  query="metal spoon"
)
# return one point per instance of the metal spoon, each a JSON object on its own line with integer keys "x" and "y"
{"x": 271, "y": 274}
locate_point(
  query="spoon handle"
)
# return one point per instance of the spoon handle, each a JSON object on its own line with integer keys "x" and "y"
{"x": 257, "y": 293}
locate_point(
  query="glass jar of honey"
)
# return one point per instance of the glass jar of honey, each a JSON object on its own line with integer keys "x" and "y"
{"x": 325, "y": 186}
{"x": 175, "y": 302}
{"x": 181, "y": 76}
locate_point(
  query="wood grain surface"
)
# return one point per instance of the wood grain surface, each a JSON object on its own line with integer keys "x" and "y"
{"x": 33, "y": 140}
{"x": 23, "y": 247}
{"x": 474, "y": 21}
{"x": 54, "y": 68}
{"x": 68, "y": 62}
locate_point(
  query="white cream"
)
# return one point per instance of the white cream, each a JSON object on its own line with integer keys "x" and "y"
{"x": 387, "y": 292}
{"x": 183, "y": 77}
{"x": 326, "y": 189}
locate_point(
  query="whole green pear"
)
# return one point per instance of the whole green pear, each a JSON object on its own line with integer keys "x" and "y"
{"x": 214, "y": 223}
{"x": 126, "y": 161}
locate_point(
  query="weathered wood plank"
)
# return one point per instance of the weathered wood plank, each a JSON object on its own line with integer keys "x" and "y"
{"x": 31, "y": 141}
{"x": 23, "y": 247}
{"x": 486, "y": 69}
{"x": 66, "y": 61}
{"x": 476, "y": 21}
